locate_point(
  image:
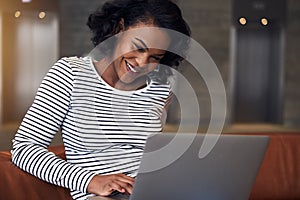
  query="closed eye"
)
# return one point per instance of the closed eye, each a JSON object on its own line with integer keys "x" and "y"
{"x": 156, "y": 58}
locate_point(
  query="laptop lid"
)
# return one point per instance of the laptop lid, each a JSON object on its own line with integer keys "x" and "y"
{"x": 172, "y": 169}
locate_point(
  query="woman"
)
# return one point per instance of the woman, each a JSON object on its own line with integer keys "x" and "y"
{"x": 105, "y": 109}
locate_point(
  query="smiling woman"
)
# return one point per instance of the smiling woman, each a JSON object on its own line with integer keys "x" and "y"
{"x": 134, "y": 59}
{"x": 119, "y": 16}
{"x": 105, "y": 108}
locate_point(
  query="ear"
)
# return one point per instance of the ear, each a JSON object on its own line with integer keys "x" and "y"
{"x": 121, "y": 25}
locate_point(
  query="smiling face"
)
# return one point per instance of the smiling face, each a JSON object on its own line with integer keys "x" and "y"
{"x": 134, "y": 57}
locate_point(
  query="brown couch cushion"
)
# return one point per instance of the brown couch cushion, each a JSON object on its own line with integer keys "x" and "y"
{"x": 17, "y": 184}
{"x": 279, "y": 175}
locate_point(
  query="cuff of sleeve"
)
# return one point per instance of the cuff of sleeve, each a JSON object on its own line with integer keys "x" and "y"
{"x": 86, "y": 181}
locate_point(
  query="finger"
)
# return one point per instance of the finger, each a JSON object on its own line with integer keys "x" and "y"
{"x": 116, "y": 186}
{"x": 121, "y": 186}
{"x": 126, "y": 179}
{"x": 128, "y": 182}
{"x": 126, "y": 186}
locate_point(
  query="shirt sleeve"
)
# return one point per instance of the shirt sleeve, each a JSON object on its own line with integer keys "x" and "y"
{"x": 40, "y": 124}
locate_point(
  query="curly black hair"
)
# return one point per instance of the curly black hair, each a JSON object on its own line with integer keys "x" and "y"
{"x": 105, "y": 23}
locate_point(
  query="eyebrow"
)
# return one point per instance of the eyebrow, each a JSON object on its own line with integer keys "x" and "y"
{"x": 143, "y": 43}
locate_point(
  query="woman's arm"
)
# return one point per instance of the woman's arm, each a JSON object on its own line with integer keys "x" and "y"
{"x": 39, "y": 126}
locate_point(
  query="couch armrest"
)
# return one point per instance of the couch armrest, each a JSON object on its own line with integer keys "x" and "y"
{"x": 279, "y": 174}
{"x": 17, "y": 184}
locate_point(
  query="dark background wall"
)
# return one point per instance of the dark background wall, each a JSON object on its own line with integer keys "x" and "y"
{"x": 292, "y": 67}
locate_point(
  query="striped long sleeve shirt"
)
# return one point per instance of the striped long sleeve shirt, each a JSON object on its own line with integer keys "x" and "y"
{"x": 103, "y": 129}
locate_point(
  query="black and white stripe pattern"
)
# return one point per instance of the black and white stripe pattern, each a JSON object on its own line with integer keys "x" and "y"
{"x": 104, "y": 129}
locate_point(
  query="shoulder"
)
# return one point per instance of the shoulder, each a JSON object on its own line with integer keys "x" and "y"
{"x": 157, "y": 89}
{"x": 71, "y": 65}
{"x": 158, "y": 84}
{"x": 74, "y": 62}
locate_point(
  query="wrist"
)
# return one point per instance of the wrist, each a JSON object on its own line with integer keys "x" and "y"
{"x": 92, "y": 185}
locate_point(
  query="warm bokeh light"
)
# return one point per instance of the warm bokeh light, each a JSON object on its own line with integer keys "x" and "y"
{"x": 17, "y": 14}
{"x": 264, "y": 21}
{"x": 243, "y": 21}
{"x": 42, "y": 15}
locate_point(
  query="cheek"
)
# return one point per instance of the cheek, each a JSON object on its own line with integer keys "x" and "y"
{"x": 152, "y": 66}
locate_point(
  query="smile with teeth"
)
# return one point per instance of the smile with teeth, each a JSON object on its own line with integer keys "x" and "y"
{"x": 130, "y": 68}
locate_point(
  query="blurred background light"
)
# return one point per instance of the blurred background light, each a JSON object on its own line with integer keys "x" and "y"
{"x": 17, "y": 14}
{"x": 243, "y": 21}
{"x": 42, "y": 15}
{"x": 264, "y": 21}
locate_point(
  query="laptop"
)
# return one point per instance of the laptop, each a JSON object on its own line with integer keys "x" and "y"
{"x": 172, "y": 169}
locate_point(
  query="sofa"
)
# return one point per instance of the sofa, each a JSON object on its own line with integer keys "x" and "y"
{"x": 15, "y": 184}
{"x": 278, "y": 176}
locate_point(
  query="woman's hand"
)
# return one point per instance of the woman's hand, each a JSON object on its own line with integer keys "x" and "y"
{"x": 104, "y": 185}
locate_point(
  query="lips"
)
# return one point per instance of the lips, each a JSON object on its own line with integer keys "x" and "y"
{"x": 130, "y": 68}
